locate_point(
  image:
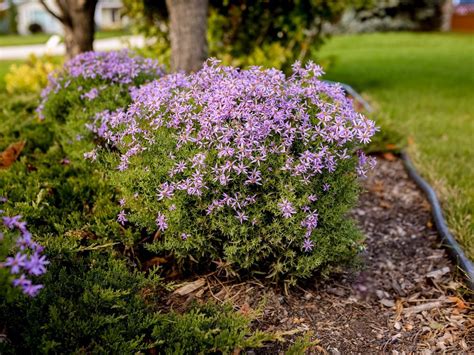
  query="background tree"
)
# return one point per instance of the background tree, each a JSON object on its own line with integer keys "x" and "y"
{"x": 77, "y": 18}
{"x": 188, "y": 26}
{"x": 246, "y": 32}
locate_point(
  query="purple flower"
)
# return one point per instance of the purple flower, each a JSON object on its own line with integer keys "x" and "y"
{"x": 36, "y": 264}
{"x": 91, "y": 94}
{"x": 21, "y": 281}
{"x": 11, "y": 222}
{"x": 15, "y": 263}
{"x": 25, "y": 241}
{"x": 308, "y": 245}
{"x": 161, "y": 222}
{"x": 326, "y": 187}
{"x": 122, "y": 202}
{"x": 122, "y": 217}
{"x": 31, "y": 290}
{"x": 184, "y": 236}
{"x": 241, "y": 217}
{"x": 166, "y": 191}
{"x": 286, "y": 208}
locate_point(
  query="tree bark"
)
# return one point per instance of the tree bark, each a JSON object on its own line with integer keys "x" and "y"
{"x": 77, "y": 18}
{"x": 446, "y": 15}
{"x": 188, "y": 30}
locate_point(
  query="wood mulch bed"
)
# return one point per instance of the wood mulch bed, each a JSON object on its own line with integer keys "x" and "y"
{"x": 407, "y": 298}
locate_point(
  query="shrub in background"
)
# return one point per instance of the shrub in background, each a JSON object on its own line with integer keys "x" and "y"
{"x": 246, "y": 166}
{"x": 32, "y": 76}
{"x": 243, "y": 32}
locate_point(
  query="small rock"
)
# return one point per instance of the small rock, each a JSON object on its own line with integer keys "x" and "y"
{"x": 387, "y": 303}
{"x": 337, "y": 291}
{"x": 436, "y": 274}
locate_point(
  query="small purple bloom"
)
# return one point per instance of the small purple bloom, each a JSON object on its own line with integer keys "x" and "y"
{"x": 31, "y": 290}
{"x": 10, "y": 222}
{"x": 326, "y": 187}
{"x": 15, "y": 263}
{"x": 241, "y": 217}
{"x": 36, "y": 265}
{"x": 308, "y": 245}
{"x": 286, "y": 208}
{"x": 122, "y": 217}
{"x": 161, "y": 222}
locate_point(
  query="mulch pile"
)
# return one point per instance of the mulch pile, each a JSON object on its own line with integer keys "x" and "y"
{"x": 407, "y": 298}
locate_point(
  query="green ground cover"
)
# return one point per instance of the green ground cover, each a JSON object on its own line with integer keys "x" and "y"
{"x": 17, "y": 40}
{"x": 422, "y": 84}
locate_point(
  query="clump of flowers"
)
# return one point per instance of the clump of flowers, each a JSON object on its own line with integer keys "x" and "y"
{"x": 89, "y": 73}
{"x": 247, "y": 166}
{"x": 27, "y": 261}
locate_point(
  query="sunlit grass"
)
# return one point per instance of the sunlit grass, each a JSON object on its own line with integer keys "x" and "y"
{"x": 424, "y": 85}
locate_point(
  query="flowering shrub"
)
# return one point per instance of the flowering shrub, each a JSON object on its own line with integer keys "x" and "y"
{"x": 247, "y": 166}
{"x": 87, "y": 74}
{"x": 27, "y": 260}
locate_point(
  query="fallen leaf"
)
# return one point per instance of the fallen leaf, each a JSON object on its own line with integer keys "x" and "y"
{"x": 10, "y": 155}
{"x": 155, "y": 261}
{"x": 245, "y": 309}
{"x": 190, "y": 287}
{"x": 389, "y": 156}
{"x": 459, "y": 302}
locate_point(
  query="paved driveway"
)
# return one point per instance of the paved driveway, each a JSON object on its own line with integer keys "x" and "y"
{"x": 106, "y": 44}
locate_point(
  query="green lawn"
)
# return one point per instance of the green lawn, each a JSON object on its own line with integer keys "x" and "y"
{"x": 17, "y": 40}
{"x": 424, "y": 85}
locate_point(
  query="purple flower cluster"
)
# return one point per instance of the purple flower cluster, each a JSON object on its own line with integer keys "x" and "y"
{"x": 119, "y": 67}
{"x": 243, "y": 127}
{"x": 116, "y": 67}
{"x": 28, "y": 260}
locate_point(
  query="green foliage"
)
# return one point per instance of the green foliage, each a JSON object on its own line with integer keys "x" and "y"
{"x": 244, "y": 33}
{"x": 207, "y": 327}
{"x": 94, "y": 302}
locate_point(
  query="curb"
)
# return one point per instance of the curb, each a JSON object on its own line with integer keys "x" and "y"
{"x": 453, "y": 248}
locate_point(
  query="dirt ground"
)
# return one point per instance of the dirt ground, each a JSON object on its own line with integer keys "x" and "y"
{"x": 407, "y": 298}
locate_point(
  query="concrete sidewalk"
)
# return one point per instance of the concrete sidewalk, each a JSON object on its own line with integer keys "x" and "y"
{"x": 106, "y": 44}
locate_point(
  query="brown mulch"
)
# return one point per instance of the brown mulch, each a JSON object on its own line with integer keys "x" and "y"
{"x": 407, "y": 298}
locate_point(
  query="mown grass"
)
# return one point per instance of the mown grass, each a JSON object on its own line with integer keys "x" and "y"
{"x": 41, "y": 38}
{"x": 423, "y": 84}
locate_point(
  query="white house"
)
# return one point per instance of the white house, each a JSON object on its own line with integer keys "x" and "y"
{"x": 107, "y": 16}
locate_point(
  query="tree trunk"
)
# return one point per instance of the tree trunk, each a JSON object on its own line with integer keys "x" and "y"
{"x": 446, "y": 15}
{"x": 77, "y": 18}
{"x": 79, "y": 32}
{"x": 188, "y": 29}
